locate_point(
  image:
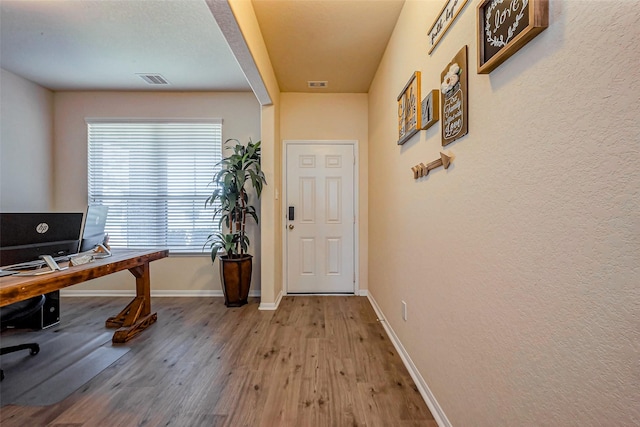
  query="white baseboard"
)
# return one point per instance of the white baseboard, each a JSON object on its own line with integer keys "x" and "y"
{"x": 428, "y": 397}
{"x": 363, "y": 292}
{"x": 271, "y": 305}
{"x": 154, "y": 293}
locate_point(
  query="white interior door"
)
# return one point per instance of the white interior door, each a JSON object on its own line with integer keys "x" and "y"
{"x": 320, "y": 224}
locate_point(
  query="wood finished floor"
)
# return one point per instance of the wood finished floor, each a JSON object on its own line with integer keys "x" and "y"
{"x": 316, "y": 361}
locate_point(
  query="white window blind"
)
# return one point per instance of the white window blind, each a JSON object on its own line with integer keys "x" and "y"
{"x": 154, "y": 176}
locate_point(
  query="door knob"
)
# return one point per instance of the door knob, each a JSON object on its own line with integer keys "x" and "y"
{"x": 290, "y": 226}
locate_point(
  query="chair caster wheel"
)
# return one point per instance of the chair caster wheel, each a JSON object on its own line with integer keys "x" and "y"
{"x": 34, "y": 350}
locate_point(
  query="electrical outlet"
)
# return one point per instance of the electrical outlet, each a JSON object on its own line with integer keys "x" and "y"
{"x": 404, "y": 311}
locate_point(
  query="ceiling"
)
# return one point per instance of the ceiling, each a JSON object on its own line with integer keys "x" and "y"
{"x": 106, "y": 45}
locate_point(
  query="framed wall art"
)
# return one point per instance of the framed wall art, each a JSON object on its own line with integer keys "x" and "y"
{"x": 454, "y": 110}
{"x": 409, "y": 113}
{"x": 445, "y": 18}
{"x": 430, "y": 110}
{"x": 504, "y": 27}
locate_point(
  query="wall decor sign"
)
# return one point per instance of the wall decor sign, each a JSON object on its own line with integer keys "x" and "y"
{"x": 454, "y": 105}
{"x": 505, "y": 26}
{"x": 430, "y": 109}
{"x": 445, "y": 18}
{"x": 409, "y": 112}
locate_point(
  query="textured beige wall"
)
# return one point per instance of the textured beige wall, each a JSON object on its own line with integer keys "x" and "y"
{"x": 520, "y": 264}
{"x": 241, "y": 119}
{"x": 26, "y": 133}
{"x": 334, "y": 116}
{"x": 271, "y": 230}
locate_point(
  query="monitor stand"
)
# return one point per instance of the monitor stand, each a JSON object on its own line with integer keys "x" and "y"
{"x": 53, "y": 265}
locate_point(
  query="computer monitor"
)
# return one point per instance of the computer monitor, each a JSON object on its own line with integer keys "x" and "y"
{"x": 24, "y": 237}
{"x": 93, "y": 230}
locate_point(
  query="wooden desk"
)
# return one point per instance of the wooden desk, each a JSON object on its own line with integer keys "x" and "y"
{"x": 135, "y": 317}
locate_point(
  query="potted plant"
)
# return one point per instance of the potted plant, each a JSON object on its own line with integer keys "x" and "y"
{"x": 239, "y": 176}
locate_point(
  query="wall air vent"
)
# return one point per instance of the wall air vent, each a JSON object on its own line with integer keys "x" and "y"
{"x": 153, "y": 79}
{"x": 317, "y": 84}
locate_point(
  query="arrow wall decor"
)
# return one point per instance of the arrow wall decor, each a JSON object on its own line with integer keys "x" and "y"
{"x": 423, "y": 170}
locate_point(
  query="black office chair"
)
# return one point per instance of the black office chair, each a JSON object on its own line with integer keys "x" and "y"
{"x": 14, "y": 313}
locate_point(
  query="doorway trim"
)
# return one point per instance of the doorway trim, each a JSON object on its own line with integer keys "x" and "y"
{"x": 356, "y": 208}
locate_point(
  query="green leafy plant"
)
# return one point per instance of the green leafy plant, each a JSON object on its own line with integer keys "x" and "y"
{"x": 240, "y": 172}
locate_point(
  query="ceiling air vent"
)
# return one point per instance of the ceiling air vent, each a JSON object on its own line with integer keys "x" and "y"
{"x": 317, "y": 84}
{"x": 154, "y": 79}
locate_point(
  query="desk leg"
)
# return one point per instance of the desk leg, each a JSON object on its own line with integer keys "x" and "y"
{"x": 137, "y": 315}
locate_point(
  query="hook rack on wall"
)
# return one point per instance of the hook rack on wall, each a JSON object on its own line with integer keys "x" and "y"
{"x": 423, "y": 170}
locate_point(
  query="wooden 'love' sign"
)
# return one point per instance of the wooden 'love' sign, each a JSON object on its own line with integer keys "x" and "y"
{"x": 505, "y": 26}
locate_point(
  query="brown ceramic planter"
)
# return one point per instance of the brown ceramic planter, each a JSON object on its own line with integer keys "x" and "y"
{"x": 236, "y": 279}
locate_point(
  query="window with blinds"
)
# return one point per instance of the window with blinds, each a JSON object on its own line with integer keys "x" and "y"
{"x": 154, "y": 176}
